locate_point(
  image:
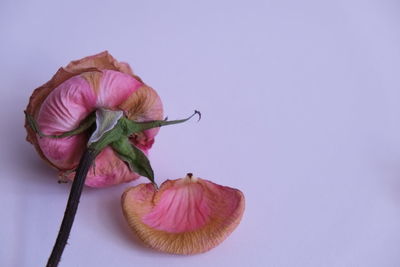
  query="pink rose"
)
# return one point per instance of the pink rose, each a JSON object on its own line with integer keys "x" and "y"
{"x": 75, "y": 92}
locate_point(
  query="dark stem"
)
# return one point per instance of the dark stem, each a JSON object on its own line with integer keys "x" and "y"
{"x": 72, "y": 206}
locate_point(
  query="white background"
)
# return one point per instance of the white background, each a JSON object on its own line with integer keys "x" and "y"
{"x": 300, "y": 103}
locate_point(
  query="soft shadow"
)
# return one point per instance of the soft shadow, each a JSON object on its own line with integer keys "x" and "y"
{"x": 21, "y": 154}
{"x": 392, "y": 178}
{"x": 117, "y": 223}
{"x": 386, "y": 170}
{"x": 34, "y": 166}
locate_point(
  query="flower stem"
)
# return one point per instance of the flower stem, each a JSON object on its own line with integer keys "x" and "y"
{"x": 72, "y": 205}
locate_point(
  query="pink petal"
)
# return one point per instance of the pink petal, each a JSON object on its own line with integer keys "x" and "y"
{"x": 143, "y": 105}
{"x": 109, "y": 170}
{"x": 62, "y": 111}
{"x": 186, "y": 216}
{"x": 100, "y": 61}
{"x": 115, "y": 87}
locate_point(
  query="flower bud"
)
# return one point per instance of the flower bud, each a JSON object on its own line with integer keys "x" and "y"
{"x": 74, "y": 93}
{"x": 186, "y": 216}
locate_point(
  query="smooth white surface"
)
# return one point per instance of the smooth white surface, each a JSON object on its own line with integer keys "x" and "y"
{"x": 300, "y": 103}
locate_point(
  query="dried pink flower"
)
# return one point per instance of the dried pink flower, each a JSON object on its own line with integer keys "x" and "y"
{"x": 72, "y": 94}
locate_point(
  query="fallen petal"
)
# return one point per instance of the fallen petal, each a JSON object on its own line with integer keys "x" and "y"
{"x": 186, "y": 216}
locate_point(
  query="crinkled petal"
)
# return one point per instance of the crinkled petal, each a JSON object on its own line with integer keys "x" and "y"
{"x": 107, "y": 170}
{"x": 143, "y": 105}
{"x": 186, "y": 216}
{"x": 114, "y": 88}
{"x": 35, "y": 102}
{"x": 100, "y": 61}
{"x": 62, "y": 111}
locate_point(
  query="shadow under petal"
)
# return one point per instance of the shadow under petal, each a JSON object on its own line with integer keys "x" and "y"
{"x": 117, "y": 223}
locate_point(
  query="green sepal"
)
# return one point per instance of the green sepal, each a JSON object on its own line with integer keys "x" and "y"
{"x": 106, "y": 120}
{"x": 134, "y": 157}
{"x": 115, "y": 132}
{"x": 108, "y": 137}
{"x": 83, "y": 126}
{"x": 132, "y": 127}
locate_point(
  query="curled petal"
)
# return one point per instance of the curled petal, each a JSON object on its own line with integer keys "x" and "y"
{"x": 100, "y": 61}
{"x": 107, "y": 170}
{"x": 186, "y": 216}
{"x": 35, "y": 102}
{"x": 143, "y": 105}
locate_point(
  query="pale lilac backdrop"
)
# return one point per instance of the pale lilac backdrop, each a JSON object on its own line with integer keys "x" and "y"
{"x": 300, "y": 103}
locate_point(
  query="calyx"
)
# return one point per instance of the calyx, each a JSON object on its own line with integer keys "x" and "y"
{"x": 113, "y": 129}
